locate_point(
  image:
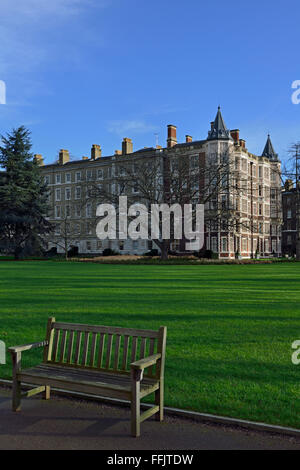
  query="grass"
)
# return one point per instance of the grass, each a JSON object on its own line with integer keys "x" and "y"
{"x": 230, "y": 328}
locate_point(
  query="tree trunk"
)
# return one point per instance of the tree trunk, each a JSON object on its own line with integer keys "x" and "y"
{"x": 164, "y": 251}
{"x": 164, "y": 248}
{"x": 17, "y": 253}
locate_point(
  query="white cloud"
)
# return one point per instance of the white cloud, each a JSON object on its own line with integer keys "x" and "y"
{"x": 136, "y": 127}
{"x": 27, "y": 30}
{"x": 33, "y": 10}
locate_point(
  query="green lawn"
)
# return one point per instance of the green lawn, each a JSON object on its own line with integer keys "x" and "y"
{"x": 230, "y": 328}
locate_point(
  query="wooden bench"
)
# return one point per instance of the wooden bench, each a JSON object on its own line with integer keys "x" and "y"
{"x": 108, "y": 361}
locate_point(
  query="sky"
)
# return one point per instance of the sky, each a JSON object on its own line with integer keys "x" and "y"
{"x": 83, "y": 72}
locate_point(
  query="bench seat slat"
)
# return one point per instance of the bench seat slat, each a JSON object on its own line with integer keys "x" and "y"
{"x": 67, "y": 375}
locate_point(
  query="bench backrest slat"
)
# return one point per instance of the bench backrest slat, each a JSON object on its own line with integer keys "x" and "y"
{"x": 103, "y": 347}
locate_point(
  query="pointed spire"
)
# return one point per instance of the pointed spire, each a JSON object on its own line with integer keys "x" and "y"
{"x": 269, "y": 151}
{"x": 219, "y": 129}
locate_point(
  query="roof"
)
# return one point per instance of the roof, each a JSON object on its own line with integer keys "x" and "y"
{"x": 269, "y": 151}
{"x": 219, "y": 129}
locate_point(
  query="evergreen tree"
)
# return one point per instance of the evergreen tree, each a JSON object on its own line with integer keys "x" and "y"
{"x": 23, "y": 196}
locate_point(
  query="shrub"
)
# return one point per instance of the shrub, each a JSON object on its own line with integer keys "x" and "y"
{"x": 152, "y": 252}
{"x": 109, "y": 252}
{"x": 52, "y": 251}
{"x": 73, "y": 251}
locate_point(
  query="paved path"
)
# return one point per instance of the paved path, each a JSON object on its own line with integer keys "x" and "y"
{"x": 62, "y": 423}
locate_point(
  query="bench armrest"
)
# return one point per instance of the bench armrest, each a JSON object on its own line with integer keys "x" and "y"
{"x": 26, "y": 347}
{"x": 146, "y": 362}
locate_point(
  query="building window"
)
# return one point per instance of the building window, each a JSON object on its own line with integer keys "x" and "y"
{"x": 100, "y": 174}
{"x": 57, "y": 229}
{"x": 289, "y": 239}
{"x": 57, "y": 212}
{"x": 68, "y": 211}
{"x": 214, "y": 244}
{"x": 68, "y": 194}
{"x": 58, "y": 195}
{"x": 68, "y": 177}
{"x": 89, "y": 210}
{"x": 77, "y": 228}
{"x": 47, "y": 179}
{"x": 260, "y": 209}
{"x": 78, "y": 176}
{"x": 260, "y": 171}
{"x": 88, "y": 228}
{"x": 99, "y": 244}
{"x": 289, "y": 213}
{"x": 135, "y": 244}
{"x": 77, "y": 211}
{"x": 58, "y": 178}
{"x": 88, "y": 246}
{"x": 89, "y": 175}
{"x": 121, "y": 246}
{"x": 224, "y": 244}
{"x": 78, "y": 192}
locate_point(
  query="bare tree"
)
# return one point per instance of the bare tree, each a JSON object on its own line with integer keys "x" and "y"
{"x": 291, "y": 171}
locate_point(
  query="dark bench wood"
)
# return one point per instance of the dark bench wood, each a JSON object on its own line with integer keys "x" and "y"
{"x": 109, "y": 361}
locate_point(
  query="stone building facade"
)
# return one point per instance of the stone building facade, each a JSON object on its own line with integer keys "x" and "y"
{"x": 252, "y": 199}
{"x": 289, "y": 226}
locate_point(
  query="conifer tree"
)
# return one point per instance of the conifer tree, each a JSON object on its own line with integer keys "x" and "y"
{"x": 23, "y": 196}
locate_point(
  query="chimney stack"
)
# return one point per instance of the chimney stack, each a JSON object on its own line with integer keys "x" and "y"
{"x": 172, "y": 136}
{"x": 235, "y": 134}
{"x": 39, "y": 159}
{"x": 85, "y": 158}
{"x": 96, "y": 152}
{"x": 212, "y": 125}
{"x": 118, "y": 152}
{"x": 188, "y": 138}
{"x": 64, "y": 157}
{"x": 243, "y": 143}
{"x": 127, "y": 146}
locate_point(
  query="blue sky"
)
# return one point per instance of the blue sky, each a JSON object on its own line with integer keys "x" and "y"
{"x": 83, "y": 72}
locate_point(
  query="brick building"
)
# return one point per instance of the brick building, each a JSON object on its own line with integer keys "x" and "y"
{"x": 289, "y": 226}
{"x": 252, "y": 200}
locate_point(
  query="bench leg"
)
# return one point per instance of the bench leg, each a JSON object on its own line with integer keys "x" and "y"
{"x": 16, "y": 389}
{"x": 159, "y": 401}
{"x": 135, "y": 409}
{"x": 16, "y": 395}
{"x": 47, "y": 393}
